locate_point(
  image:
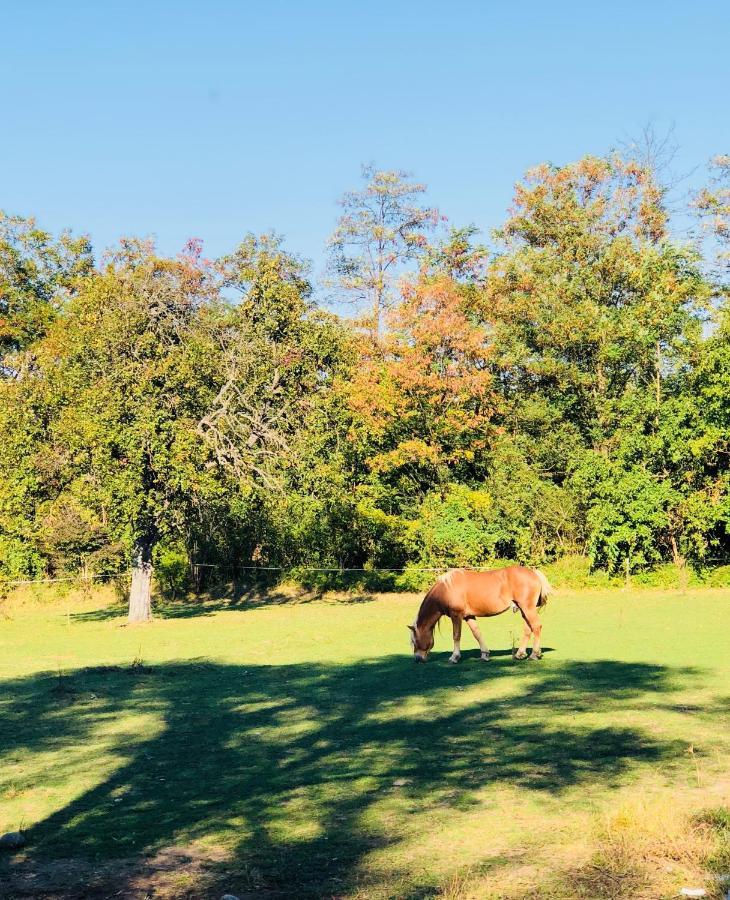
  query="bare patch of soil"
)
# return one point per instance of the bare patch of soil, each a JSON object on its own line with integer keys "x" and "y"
{"x": 182, "y": 873}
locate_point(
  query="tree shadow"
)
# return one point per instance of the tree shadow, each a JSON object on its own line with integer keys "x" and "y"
{"x": 232, "y": 596}
{"x": 283, "y": 763}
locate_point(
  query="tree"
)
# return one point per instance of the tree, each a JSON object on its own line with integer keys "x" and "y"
{"x": 558, "y": 393}
{"x": 272, "y": 425}
{"x": 458, "y": 257}
{"x": 38, "y": 274}
{"x": 157, "y": 412}
{"x": 261, "y": 377}
{"x": 382, "y": 228}
{"x": 590, "y": 299}
{"x": 424, "y": 399}
{"x": 713, "y": 207}
{"x": 120, "y": 383}
{"x": 596, "y": 312}
{"x": 421, "y": 403}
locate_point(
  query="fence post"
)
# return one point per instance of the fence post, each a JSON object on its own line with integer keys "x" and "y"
{"x": 195, "y": 569}
{"x": 85, "y": 580}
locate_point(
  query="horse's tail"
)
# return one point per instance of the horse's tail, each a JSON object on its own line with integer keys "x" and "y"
{"x": 545, "y": 588}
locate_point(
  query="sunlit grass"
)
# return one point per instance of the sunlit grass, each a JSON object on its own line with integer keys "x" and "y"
{"x": 297, "y": 749}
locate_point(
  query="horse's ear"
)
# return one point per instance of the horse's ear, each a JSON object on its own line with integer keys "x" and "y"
{"x": 411, "y": 628}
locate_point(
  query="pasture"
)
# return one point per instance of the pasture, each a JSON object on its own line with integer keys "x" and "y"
{"x": 271, "y": 749}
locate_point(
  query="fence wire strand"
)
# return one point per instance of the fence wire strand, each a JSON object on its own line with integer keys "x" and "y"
{"x": 86, "y": 579}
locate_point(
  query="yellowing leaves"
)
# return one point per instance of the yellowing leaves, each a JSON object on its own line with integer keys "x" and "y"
{"x": 411, "y": 452}
{"x": 425, "y": 395}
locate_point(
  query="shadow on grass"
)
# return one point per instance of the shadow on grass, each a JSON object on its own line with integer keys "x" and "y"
{"x": 231, "y": 596}
{"x": 291, "y": 766}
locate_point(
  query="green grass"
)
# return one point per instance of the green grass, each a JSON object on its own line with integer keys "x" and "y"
{"x": 295, "y": 749}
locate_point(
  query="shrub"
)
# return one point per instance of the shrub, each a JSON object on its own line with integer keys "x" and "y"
{"x": 172, "y": 570}
{"x": 575, "y": 571}
{"x": 18, "y": 559}
{"x": 717, "y": 577}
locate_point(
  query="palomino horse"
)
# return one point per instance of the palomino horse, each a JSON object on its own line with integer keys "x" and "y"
{"x": 463, "y": 594}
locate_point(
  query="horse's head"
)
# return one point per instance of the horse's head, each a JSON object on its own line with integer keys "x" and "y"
{"x": 421, "y": 641}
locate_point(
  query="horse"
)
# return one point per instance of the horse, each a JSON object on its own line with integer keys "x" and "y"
{"x": 464, "y": 594}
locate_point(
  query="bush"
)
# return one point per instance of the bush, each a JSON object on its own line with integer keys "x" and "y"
{"x": 172, "y": 570}
{"x": 666, "y": 576}
{"x": 717, "y": 577}
{"x": 575, "y": 571}
{"x": 18, "y": 559}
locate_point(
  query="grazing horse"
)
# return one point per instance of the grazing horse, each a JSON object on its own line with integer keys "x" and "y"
{"x": 463, "y": 594}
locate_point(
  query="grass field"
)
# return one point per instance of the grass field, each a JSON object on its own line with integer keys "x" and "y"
{"x": 271, "y": 749}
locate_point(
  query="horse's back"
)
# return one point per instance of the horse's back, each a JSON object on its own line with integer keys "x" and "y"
{"x": 472, "y": 592}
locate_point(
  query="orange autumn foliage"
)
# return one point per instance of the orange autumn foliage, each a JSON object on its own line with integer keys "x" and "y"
{"x": 425, "y": 395}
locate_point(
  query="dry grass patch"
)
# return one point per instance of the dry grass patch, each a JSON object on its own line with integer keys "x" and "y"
{"x": 647, "y": 851}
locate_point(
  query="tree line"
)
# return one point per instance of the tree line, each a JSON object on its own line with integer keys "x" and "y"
{"x": 563, "y": 389}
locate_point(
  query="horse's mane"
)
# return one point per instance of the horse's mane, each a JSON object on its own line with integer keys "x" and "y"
{"x": 447, "y": 577}
{"x": 431, "y": 602}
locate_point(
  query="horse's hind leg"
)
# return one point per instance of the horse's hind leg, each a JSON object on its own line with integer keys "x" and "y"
{"x": 472, "y": 622}
{"x": 536, "y": 626}
{"x": 456, "y": 655}
{"x": 521, "y": 651}
{"x": 533, "y": 625}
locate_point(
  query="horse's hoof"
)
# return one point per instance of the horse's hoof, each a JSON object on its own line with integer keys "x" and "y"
{"x": 535, "y": 656}
{"x": 454, "y": 659}
{"x": 519, "y": 655}
{"x": 485, "y": 657}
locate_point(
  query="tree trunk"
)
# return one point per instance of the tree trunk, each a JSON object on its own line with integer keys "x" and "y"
{"x": 677, "y": 558}
{"x": 140, "y": 592}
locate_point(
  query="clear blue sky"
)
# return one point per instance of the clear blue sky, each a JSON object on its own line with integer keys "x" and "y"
{"x": 210, "y": 119}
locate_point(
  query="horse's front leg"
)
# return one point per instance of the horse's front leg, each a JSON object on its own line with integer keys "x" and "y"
{"x": 456, "y": 655}
{"x": 472, "y": 622}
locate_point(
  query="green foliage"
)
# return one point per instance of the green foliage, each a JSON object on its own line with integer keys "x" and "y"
{"x": 627, "y": 508}
{"x": 563, "y": 396}
{"x": 717, "y": 576}
{"x": 37, "y": 276}
{"x": 666, "y": 575}
{"x": 577, "y": 572}
{"x": 18, "y": 559}
{"x": 456, "y": 528}
{"x": 172, "y": 570}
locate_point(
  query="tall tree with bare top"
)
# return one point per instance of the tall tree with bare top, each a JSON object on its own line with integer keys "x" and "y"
{"x": 382, "y": 228}
{"x": 712, "y": 204}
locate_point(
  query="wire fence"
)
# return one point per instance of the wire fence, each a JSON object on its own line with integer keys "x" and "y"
{"x": 82, "y": 579}
{"x": 296, "y": 568}
{"x": 88, "y": 578}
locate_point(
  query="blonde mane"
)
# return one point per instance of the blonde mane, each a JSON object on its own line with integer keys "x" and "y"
{"x": 447, "y": 577}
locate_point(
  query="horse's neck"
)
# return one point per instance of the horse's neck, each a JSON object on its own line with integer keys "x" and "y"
{"x": 428, "y": 614}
